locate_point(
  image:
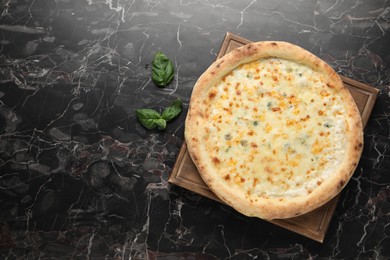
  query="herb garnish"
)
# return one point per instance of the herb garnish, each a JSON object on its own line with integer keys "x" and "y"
{"x": 162, "y": 70}
{"x": 151, "y": 119}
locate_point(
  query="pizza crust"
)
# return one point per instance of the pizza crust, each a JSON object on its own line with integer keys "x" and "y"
{"x": 267, "y": 207}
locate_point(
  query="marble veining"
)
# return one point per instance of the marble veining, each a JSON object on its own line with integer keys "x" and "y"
{"x": 80, "y": 178}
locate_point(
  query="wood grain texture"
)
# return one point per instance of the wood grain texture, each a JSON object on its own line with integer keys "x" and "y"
{"x": 313, "y": 224}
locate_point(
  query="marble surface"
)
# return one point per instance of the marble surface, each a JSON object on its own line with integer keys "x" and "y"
{"x": 80, "y": 178}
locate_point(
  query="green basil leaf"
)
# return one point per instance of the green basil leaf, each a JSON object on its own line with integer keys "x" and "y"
{"x": 172, "y": 111}
{"x": 161, "y": 124}
{"x": 162, "y": 70}
{"x": 149, "y": 118}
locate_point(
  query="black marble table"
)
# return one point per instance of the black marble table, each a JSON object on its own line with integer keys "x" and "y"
{"x": 80, "y": 178}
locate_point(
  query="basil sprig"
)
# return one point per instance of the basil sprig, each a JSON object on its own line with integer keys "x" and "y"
{"x": 151, "y": 119}
{"x": 162, "y": 70}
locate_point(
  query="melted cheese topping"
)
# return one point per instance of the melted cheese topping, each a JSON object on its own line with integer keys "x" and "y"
{"x": 278, "y": 128}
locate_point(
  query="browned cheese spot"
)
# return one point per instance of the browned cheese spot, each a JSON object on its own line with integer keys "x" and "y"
{"x": 216, "y": 160}
{"x": 274, "y": 44}
{"x": 227, "y": 177}
{"x": 228, "y": 110}
{"x": 268, "y": 169}
{"x": 212, "y": 94}
{"x": 305, "y": 118}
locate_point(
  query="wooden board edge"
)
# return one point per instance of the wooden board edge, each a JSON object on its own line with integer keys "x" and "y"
{"x": 229, "y": 37}
{"x": 318, "y": 234}
{"x": 177, "y": 163}
{"x": 370, "y": 92}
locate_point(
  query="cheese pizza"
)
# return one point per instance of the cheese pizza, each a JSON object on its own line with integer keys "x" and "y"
{"x": 273, "y": 131}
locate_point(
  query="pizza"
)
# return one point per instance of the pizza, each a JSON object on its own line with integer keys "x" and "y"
{"x": 272, "y": 130}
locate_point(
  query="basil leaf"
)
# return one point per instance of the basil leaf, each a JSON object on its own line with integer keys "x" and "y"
{"x": 162, "y": 70}
{"x": 149, "y": 118}
{"x": 172, "y": 111}
{"x": 161, "y": 124}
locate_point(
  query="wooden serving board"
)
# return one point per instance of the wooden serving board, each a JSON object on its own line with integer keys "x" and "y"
{"x": 313, "y": 224}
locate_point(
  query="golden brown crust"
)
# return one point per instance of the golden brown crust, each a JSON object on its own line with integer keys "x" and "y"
{"x": 197, "y": 123}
